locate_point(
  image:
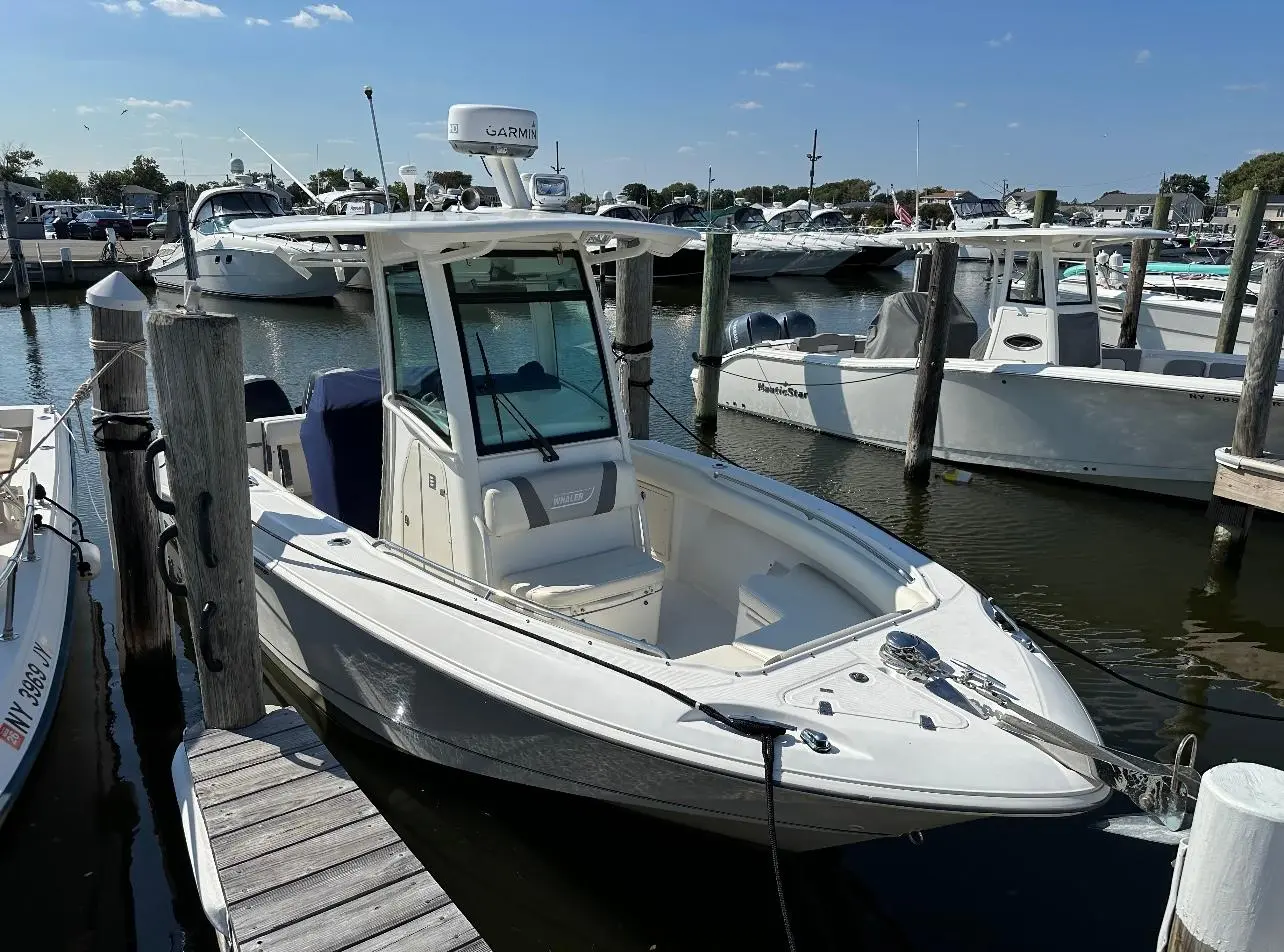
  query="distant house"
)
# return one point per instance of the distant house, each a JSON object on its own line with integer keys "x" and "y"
{"x": 136, "y": 196}
{"x": 1116, "y": 206}
{"x": 489, "y": 195}
{"x": 1273, "y": 219}
{"x": 1019, "y": 202}
{"x": 947, "y": 195}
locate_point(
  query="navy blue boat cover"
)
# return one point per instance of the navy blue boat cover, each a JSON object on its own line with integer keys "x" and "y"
{"x": 342, "y": 437}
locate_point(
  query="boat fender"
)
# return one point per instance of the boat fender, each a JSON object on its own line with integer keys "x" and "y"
{"x": 91, "y": 560}
{"x": 751, "y": 328}
{"x": 797, "y": 324}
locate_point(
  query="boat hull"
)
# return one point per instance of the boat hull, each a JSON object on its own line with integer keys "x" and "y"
{"x": 236, "y": 266}
{"x": 429, "y": 715}
{"x": 1168, "y": 322}
{"x": 1150, "y": 433}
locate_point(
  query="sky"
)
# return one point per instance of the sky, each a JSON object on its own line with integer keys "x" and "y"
{"x": 1080, "y": 97}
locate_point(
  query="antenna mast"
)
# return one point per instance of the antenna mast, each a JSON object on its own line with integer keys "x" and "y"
{"x": 557, "y": 157}
{"x": 383, "y": 176}
{"x": 814, "y": 157}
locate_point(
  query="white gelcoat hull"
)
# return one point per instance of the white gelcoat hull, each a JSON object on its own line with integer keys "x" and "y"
{"x": 253, "y": 271}
{"x": 814, "y": 262}
{"x": 1167, "y": 322}
{"x": 1073, "y": 423}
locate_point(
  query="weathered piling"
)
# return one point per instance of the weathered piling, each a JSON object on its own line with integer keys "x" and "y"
{"x": 68, "y": 266}
{"x": 1251, "y": 209}
{"x": 196, "y": 362}
{"x": 17, "y": 262}
{"x": 1227, "y": 883}
{"x": 122, "y": 430}
{"x": 185, "y": 236}
{"x": 931, "y": 364}
{"x": 1233, "y": 517}
{"x": 713, "y": 311}
{"x": 1140, "y": 258}
{"x": 1045, "y": 206}
{"x": 634, "y": 280}
{"x": 922, "y": 271}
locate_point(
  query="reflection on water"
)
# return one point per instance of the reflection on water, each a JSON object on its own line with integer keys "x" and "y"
{"x": 1123, "y": 578}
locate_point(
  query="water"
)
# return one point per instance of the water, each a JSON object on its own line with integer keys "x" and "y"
{"x": 95, "y": 851}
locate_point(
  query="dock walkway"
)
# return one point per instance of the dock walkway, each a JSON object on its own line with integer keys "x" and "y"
{"x": 88, "y": 260}
{"x": 289, "y": 854}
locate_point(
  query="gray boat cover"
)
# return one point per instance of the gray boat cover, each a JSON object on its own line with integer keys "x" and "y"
{"x": 898, "y": 328}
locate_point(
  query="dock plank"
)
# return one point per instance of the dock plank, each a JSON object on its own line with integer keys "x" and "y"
{"x": 274, "y": 868}
{"x": 305, "y": 861}
{"x": 278, "y": 832}
{"x": 362, "y": 917}
{"x": 251, "y": 752}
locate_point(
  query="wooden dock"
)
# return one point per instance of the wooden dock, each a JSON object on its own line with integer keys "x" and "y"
{"x": 89, "y": 261}
{"x": 290, "y": 855}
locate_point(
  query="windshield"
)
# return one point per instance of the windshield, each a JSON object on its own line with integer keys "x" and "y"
{"x": 985, "y": 208}
{"x": 629, "y": 212}
{"x": 831, "y": 221}
{"x": 531, "y": 350}
{"x": 684, "y": 216}
{"x": 751, "y": 219}
{"x": 233, "y": 205}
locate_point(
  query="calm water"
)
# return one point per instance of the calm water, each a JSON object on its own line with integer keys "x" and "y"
{"x": 96, "y": 856}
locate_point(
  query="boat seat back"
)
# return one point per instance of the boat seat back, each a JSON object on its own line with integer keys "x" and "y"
{"x": 1121, "y": 358}
{"x": 342, "y": 441}
{"x": 522, "y": 503}
{"x": 10, "y": 443}
{"x": 283, "y": 457}
{"x": 1184, "y": 367}
{"x": 1226, "y": 371}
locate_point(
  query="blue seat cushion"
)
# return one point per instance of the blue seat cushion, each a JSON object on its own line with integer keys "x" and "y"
{"x": 342, "y": 437}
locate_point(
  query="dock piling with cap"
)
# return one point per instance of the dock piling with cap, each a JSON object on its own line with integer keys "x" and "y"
{"x": 713, "y": 312}
{"x": 17, "y": 261}
{"x": 634, "y": 280}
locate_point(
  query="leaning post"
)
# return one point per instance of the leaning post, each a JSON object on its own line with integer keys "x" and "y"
{"x": 1139, "y": 259}
{"x": 196, "y": 362}
{"x": 21, "y": 281}
{"x": 1260, "y": 371}
{"x": 713, "y": 310}
{"x": 931, "y": 364}
{"x": 122, "y": 430}
{"x": 632, "y": 345}
{"x": 1251, "y": 209}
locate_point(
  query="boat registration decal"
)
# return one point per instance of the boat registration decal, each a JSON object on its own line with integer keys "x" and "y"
{"x": 21, "y": 715}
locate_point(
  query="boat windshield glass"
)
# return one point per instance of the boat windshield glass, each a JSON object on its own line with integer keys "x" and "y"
{"x": 831, "y": 221}
{"x": 684, "y": 216}
{"x": 532, "y": 355}
{"x": 416, "y": 371}
{"x": 233, "y": 205}
{"x": 629, "y": 212}
{"x": 1072, "y": 288}
{"x": 985, "y": 208}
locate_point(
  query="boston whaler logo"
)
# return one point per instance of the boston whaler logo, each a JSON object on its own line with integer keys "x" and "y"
{"x": 571, "y": 497}
{"x": 781, "y": 390}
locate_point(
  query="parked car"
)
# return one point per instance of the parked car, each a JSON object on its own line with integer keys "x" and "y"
{"x": 157, "y": 228}
{"x": 94, "y": 224}
{"x": 140, "y": 218}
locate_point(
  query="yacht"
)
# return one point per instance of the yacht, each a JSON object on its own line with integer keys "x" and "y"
{"x": 686, "y": 262}
{"x": 237, "y": 265}
{"x": 980, "y": 215}
{"x": 463, "y": 550}
{"x": 751, "y": 257}
{"x": 42, "y": 555}
{"x": 1031, "y": 388}
{"x": 828, "y": 223}
{"x": 356, "y": 199}
{"x": 817, "y": 255}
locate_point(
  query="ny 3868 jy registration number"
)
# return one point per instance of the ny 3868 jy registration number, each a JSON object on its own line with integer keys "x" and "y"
{"x": 24, "y": 707}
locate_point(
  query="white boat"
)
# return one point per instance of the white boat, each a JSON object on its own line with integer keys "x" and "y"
{"x": 982, "y": 215}
{"x": 356, "y": 199}
{"x": 1037, "y": 392}
{"x": 816, "y": 255}
{"x": 41, "y": 556}
{"x": 242, "y": 266}
{"x": 463, "y": 551}
{"x": 751, "y": 257}
{"x": 827, "y": 223}
{"x": 686, "y": 262}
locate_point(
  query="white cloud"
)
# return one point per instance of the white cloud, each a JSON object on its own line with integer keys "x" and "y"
{"x": 86, "y": 110}
{"x": 747, "y": 104}
{"x": 135, "y": 103}
{"x": 331, "y": 12}
{"x": 685, "y": 148}
{"x": 1244, "y": 87}
{"x": 192, "y": 9}
{"x": 154, "y": 116}
{"x": 1001, "y": 41}
{"x": 303, "y": 21}
{"x": 960, "y": 104}
{"x": 794, "y": 65}
{"x": 431, "y": 136}
{"x": 1142, "y": 57}
{"x": 132, "y": 7}
{"x": 1014, "y": 125}
{"x": 733, "y": 133}
{"x": 257, "y": 21}
{"x": 1256, "y": 151}
{"x": 340, "y": 142}
{"x": 762, "y": 72}
{"x": 807, "y": 85}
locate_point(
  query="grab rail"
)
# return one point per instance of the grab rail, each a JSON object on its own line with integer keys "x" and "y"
{"x": 493, "y": 594}
{"x": 9, "y": 574}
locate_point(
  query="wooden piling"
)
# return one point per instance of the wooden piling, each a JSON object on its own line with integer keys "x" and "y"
{"x": 1226, "y": 883}
{"x": 17, "y": 261}
{"x": 185, "y": 236}
{"x": 634, "y": 280}
{"x": 1045, "y": 206}
{"x": 68, "y": 266}
{"x": 116, "y": 308}
{"x": 922, "y": 270}
{"x": 931, "y": 364}
{"x": 713, "y": 312}
{"x": 196, "y": 362}
{"x": 1139, "y": 259}
{"x": 1252, "y": 208}
{"x": 1233, "y": 518}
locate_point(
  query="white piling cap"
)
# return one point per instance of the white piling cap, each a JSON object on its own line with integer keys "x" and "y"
{"x": 116, "y": 293}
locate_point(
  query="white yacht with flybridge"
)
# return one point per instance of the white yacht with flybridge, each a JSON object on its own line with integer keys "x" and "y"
{"x": 237, "y": 265}
{"x": 462, "y": 550}
{"x": 1032, "y": 387}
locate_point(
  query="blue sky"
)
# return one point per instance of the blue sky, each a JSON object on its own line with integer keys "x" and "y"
{"x": 1037, "y": 93}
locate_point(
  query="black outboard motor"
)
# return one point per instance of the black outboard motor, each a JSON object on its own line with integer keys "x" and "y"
{"x": 797, "y": 324}
{"x": 752, "y": 328}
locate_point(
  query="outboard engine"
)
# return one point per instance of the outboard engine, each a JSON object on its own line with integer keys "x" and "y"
{"x": 752, "y": 328}
{"x": 264, "y": 398}
{"x": 796, "y": 324}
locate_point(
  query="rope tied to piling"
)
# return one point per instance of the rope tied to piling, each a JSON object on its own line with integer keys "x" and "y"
{"x": 713, "y": 361}
{"x": 629, "y": 353}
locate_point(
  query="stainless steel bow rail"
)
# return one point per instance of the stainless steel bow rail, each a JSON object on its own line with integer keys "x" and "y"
{"x": 26, "y": 545}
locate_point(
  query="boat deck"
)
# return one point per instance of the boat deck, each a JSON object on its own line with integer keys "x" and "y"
{"x": 291, "y": 855}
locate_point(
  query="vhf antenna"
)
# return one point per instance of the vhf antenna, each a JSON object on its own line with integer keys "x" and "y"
{"x": 383, "y": 177}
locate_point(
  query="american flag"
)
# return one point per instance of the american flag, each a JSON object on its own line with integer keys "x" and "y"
{"x": 905, "y": 217}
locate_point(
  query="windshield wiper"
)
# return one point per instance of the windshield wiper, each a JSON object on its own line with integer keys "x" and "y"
{"x": 542, "y": 443}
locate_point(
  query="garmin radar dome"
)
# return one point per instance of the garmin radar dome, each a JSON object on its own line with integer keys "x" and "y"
{"x": 492, "y": 130}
